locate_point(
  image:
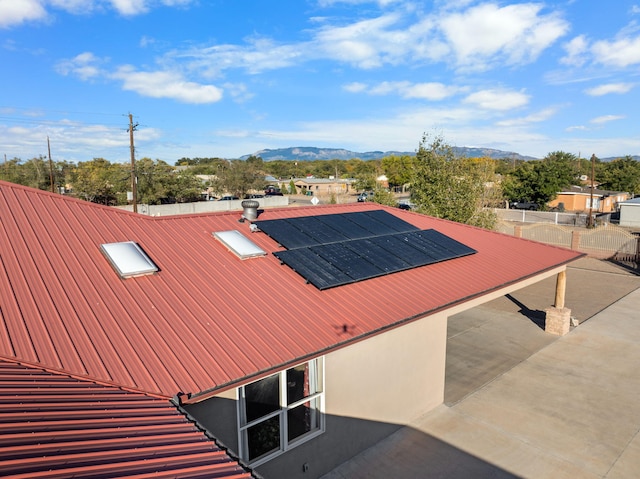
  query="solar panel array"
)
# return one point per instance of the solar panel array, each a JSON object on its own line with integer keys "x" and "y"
{"x": 333, "y": 250}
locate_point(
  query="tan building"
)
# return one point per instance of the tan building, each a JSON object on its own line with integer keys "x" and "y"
{"x": 579, "y": 199}
{"x": 324, "y": 186}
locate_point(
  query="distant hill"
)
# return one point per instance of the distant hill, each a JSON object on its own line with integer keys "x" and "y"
{"x": 310, "y": 153}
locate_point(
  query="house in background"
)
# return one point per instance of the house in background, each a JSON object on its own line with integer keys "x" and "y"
{"x": 293, "y": 365}
{"x": 579, "y": 199}
{"x": 324, "y": 186}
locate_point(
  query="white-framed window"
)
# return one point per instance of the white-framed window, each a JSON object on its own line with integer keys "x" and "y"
{"x": 280, "y": 412}
{"x": 596, "y": 203}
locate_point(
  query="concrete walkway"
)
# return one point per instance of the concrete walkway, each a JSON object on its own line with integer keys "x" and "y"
{"x": 522, "y": 403}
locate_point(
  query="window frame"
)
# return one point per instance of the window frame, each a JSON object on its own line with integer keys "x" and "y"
{"x": 316, "y": 365}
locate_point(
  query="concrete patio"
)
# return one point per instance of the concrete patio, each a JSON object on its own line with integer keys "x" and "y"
{"x": 520, "y": 402}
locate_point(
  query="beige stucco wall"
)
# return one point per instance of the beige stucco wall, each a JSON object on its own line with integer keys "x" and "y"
{"x": 391, "y": 378}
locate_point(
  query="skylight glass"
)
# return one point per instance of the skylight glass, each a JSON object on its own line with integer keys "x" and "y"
{"x": 239, "y": 244}
{"x": 128, "y": 259}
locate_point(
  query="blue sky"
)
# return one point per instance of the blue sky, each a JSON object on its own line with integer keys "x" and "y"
{"x": 225, "y": 78}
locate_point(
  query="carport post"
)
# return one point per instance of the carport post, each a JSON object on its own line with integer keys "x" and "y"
{"x": 561, "y": 287}
{"x": 558, "y": 318}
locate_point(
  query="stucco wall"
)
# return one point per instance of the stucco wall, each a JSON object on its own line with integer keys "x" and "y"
{"x": 371, "y": 388}
{"x": 205, "y": 206}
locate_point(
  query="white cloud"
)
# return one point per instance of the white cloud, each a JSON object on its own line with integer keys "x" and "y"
{"x": 166, "y": 84}
{"x": 77, "y": 7}
{"x": 366, "y": 44}
{"x": 259, "y": 55}
{"x": 606, "y": 119}
{"x": 405, "y": 89}
{"x": 84, "y": 66}
{"x": 540, "y": 116}
{"x": 130, "y": 7}
{"x": 498, "y": 99}
{"x": 329, "y": 3}
{"x": 487, "y": 33}
{"x": 355, "y": 87}
{"x": 480, "y": 37}
{"x": 577, "y": 51}
{"x": 14, "y": 12}
{"x": 608, "y": 88}
{"x": 619, "y": 53}
{"x": 156, "y": 84}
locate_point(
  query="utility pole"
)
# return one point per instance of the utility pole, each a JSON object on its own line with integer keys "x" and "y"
{"x": 593, "y": 169}
{"x": 134, "y": 192}
{"x": 50, "y": 165}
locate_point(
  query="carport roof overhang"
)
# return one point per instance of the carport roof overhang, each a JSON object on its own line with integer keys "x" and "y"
{"x": 457, "y": 307}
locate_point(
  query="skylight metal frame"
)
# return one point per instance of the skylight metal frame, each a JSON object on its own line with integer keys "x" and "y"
{"x": 128, "y": 259}
{"x": 239, "y": 244}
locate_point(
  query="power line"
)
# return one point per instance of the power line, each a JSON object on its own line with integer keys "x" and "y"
{"x": 66, "y": 112}
{"x": 57, "y": 123}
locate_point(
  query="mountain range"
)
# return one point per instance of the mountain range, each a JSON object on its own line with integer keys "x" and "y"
{"x": 311, "y": 153}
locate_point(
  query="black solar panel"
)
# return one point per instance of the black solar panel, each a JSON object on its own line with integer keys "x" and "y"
{"x": 315, "y": 270}
{"x": 286, "y": 233}
{"x": 349, "y": 258}
{"x": 332, "y": 250}
{"x": 345, "y": 224}
{"x": 322, "y": 229}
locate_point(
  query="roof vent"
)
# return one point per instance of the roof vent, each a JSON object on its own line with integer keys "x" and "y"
{"x": 250, "y": 209}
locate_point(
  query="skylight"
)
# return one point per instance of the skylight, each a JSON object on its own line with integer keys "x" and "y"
{"x": 128, "y": 259}
{"x": 239, "y": 244}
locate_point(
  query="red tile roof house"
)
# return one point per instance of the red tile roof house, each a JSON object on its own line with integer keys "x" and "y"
{"x": 293, "y": 378}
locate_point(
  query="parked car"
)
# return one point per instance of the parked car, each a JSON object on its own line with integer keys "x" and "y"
{"x": 272, "y": 191}
{"x": 228, "y": 198}
{"x": 405, "y": 205}
{"x": 365, "y": 196}
{"x": 524, "y": 205}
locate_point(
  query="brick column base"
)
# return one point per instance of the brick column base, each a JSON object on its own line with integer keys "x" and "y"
{"x": 557, "y": 320}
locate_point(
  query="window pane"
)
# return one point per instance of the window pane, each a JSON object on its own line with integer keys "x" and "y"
{"x": 264, "y": 437}
{"x": 301, "y": 382}
{"x": 262, "y": 397}
{"x": 303, "y": 419}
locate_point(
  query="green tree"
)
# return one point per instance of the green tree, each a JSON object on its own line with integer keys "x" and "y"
{"x": 541, "y": 180}
{"x": 154, "y": 181}
{"x": 365, "y": 182}
{"x": 11, "y": 171}
{"x": 449, "y": 187}
{"x": 398, "y": 169}
{"x": 100, "y": 181}
{"x": 384, "y": 197}
{"x": 622, "y": 174}
{"x": 239, "y": 177}
{"x": 185, "y": 187}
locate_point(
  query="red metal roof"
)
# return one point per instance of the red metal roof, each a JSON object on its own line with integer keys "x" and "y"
{"x": 207, "y": 319}
{"x": 56, "y": 426}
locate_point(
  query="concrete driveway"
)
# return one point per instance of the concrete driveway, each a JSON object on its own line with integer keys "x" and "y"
{"x": 522, "y": 403}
